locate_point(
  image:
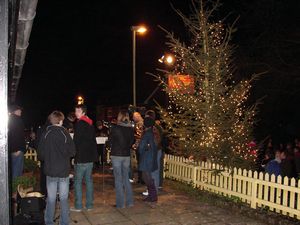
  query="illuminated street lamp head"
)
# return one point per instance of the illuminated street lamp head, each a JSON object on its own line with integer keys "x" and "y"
{"x": 80, "y": 100}
{"x": 167, "y": 59}
{"x": 139, "y": 29}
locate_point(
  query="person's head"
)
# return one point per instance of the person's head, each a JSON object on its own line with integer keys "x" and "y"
{"x": 99, "y": 124}
{"x": 137, "y": 117}
{"x": 149, "y": 122}
{"x": 151, "y": 114}
{"x": 71, "y": 116}
{"x": 283, "y": 155}
{"x": 277, "y": 154}
{"x": 80, "y": 110}
{"x": 268, "y": 155}
{"x": 56, "y": 118}
{"x": 123, "y": 117}
{"x": 16, "y": 110}
{"x": 296, "y": 149}
{"x": 289, "y": 146}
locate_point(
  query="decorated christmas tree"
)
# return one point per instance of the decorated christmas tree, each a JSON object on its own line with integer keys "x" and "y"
{"x": 208, "y": 115}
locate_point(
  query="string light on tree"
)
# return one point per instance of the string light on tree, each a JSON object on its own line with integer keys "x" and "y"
{"x": 213, "y": 120}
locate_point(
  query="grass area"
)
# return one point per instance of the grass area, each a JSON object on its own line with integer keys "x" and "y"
{"x": 233, "y": 203}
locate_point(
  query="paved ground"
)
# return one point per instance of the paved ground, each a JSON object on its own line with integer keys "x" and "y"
{"x": 173, "y": 208}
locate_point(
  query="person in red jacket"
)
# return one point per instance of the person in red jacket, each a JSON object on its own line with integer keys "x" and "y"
{"x": 86, "y": 155}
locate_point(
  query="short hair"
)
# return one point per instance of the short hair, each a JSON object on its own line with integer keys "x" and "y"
{"x": 82, "y": 107}
{"x": 151, "y": 114}
{"x": 55, "y": 117}
{"x": 123, "y": 116}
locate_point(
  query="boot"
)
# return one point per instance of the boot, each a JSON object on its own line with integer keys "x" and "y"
{"x": 152, "y": 192}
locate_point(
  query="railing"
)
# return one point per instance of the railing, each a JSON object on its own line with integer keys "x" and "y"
{"x": 281, "y": 195}
{"x": 31, "y": 154}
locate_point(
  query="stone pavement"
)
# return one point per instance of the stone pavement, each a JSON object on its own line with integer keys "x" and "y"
{"x": 173, "y": 208}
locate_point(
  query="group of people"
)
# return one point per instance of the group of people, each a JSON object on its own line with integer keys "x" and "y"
{"x": 56, "y": 147}
{"x": 282, "y": 160}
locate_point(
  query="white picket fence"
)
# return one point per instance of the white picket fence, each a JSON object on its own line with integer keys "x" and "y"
{"x": 256, "y": 189}
{"x": 31, "y": 154}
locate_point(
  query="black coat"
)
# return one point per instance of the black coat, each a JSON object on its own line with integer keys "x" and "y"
{"x": 55, "y": 149}
{"x": 16, "y": 134}
{"x": 121, "y": 139}
{"x": 85, "y": 142}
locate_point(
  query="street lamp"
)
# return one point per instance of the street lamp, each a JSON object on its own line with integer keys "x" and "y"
{"x": 135, "y": 30}
{"x": 80, "y": 100}
{"x": 167, "y": 59}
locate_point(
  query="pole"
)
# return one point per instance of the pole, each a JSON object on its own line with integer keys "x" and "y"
{"x": 133, "y": 66}
{"x": 4, "y": 182}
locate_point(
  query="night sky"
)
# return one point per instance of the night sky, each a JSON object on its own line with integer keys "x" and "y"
{"x": 85, "y": 47}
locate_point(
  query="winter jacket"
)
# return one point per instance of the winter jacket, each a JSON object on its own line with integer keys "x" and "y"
{"x": 16, "y": 134}
{"x": 147, "y": 152}
{"x": 85, "y": 141}
{"x": 121, "y": 139}
{"x": 273, "y": 167}
{"x": 55, "y": 149}
{"x": 287, "y": 167}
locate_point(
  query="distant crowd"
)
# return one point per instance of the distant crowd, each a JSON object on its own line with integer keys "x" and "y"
{"x": 281, "y": 159}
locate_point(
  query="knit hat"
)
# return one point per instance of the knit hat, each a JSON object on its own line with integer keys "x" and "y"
{"x": 149, "y": 122}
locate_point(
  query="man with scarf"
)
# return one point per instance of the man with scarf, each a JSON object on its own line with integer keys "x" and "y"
{"x": 86, "y": 155}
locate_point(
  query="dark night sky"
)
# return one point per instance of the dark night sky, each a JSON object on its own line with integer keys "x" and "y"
{"x": 85, "y": 47}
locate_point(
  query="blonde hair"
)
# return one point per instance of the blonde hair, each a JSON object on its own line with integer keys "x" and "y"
{"x": 123, "y": 116}
{"x": 55, "y": 117}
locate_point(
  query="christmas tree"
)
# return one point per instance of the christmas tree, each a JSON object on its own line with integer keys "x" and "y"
{"x": 207, "y": 116}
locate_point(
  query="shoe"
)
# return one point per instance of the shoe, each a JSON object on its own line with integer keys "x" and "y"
{"x": 145, "y": 193}
{"x": 131, "y": 180}
{"x": 73, "y": 209}
{"x": 147, "y": 199}
{"x": 89, "y": 209}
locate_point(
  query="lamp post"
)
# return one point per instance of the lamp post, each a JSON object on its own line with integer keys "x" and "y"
{"x": 135, "y": 30}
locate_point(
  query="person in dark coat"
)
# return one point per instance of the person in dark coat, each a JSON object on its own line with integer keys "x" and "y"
{"x": 39, "y": 133}
{"x": 297, "y": 161}
{"x": 16, "y": 141}
{"x": 55, "y": 149}
{"x": 69, "y": 122}
{"x": 148, "y": 158}
{"x": 273, "y": 167}
{"x": 101, "y": 131}
{"x": 121, "y": 139}
{"x": 86, "y": 155}
{"x": 287, "y": 165}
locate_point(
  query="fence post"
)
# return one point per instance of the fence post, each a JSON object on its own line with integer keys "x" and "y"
{"x": 254, "y": 194}
{"x": 194, "y": 176}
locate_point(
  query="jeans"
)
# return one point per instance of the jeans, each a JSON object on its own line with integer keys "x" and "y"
{"x": 122, "y": 184}
{"x": 84, "y": 170}
{"x": 156, "y": 174}
{"x": 17, "y": 164}
{"x": 57, "y": 185}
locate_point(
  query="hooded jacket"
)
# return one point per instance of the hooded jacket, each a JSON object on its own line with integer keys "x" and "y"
{"x": 147, "y": 152}
{"x": 85, "y": 141}
{"x": 121, "y": 139}
{"x": 55, "y": 149}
